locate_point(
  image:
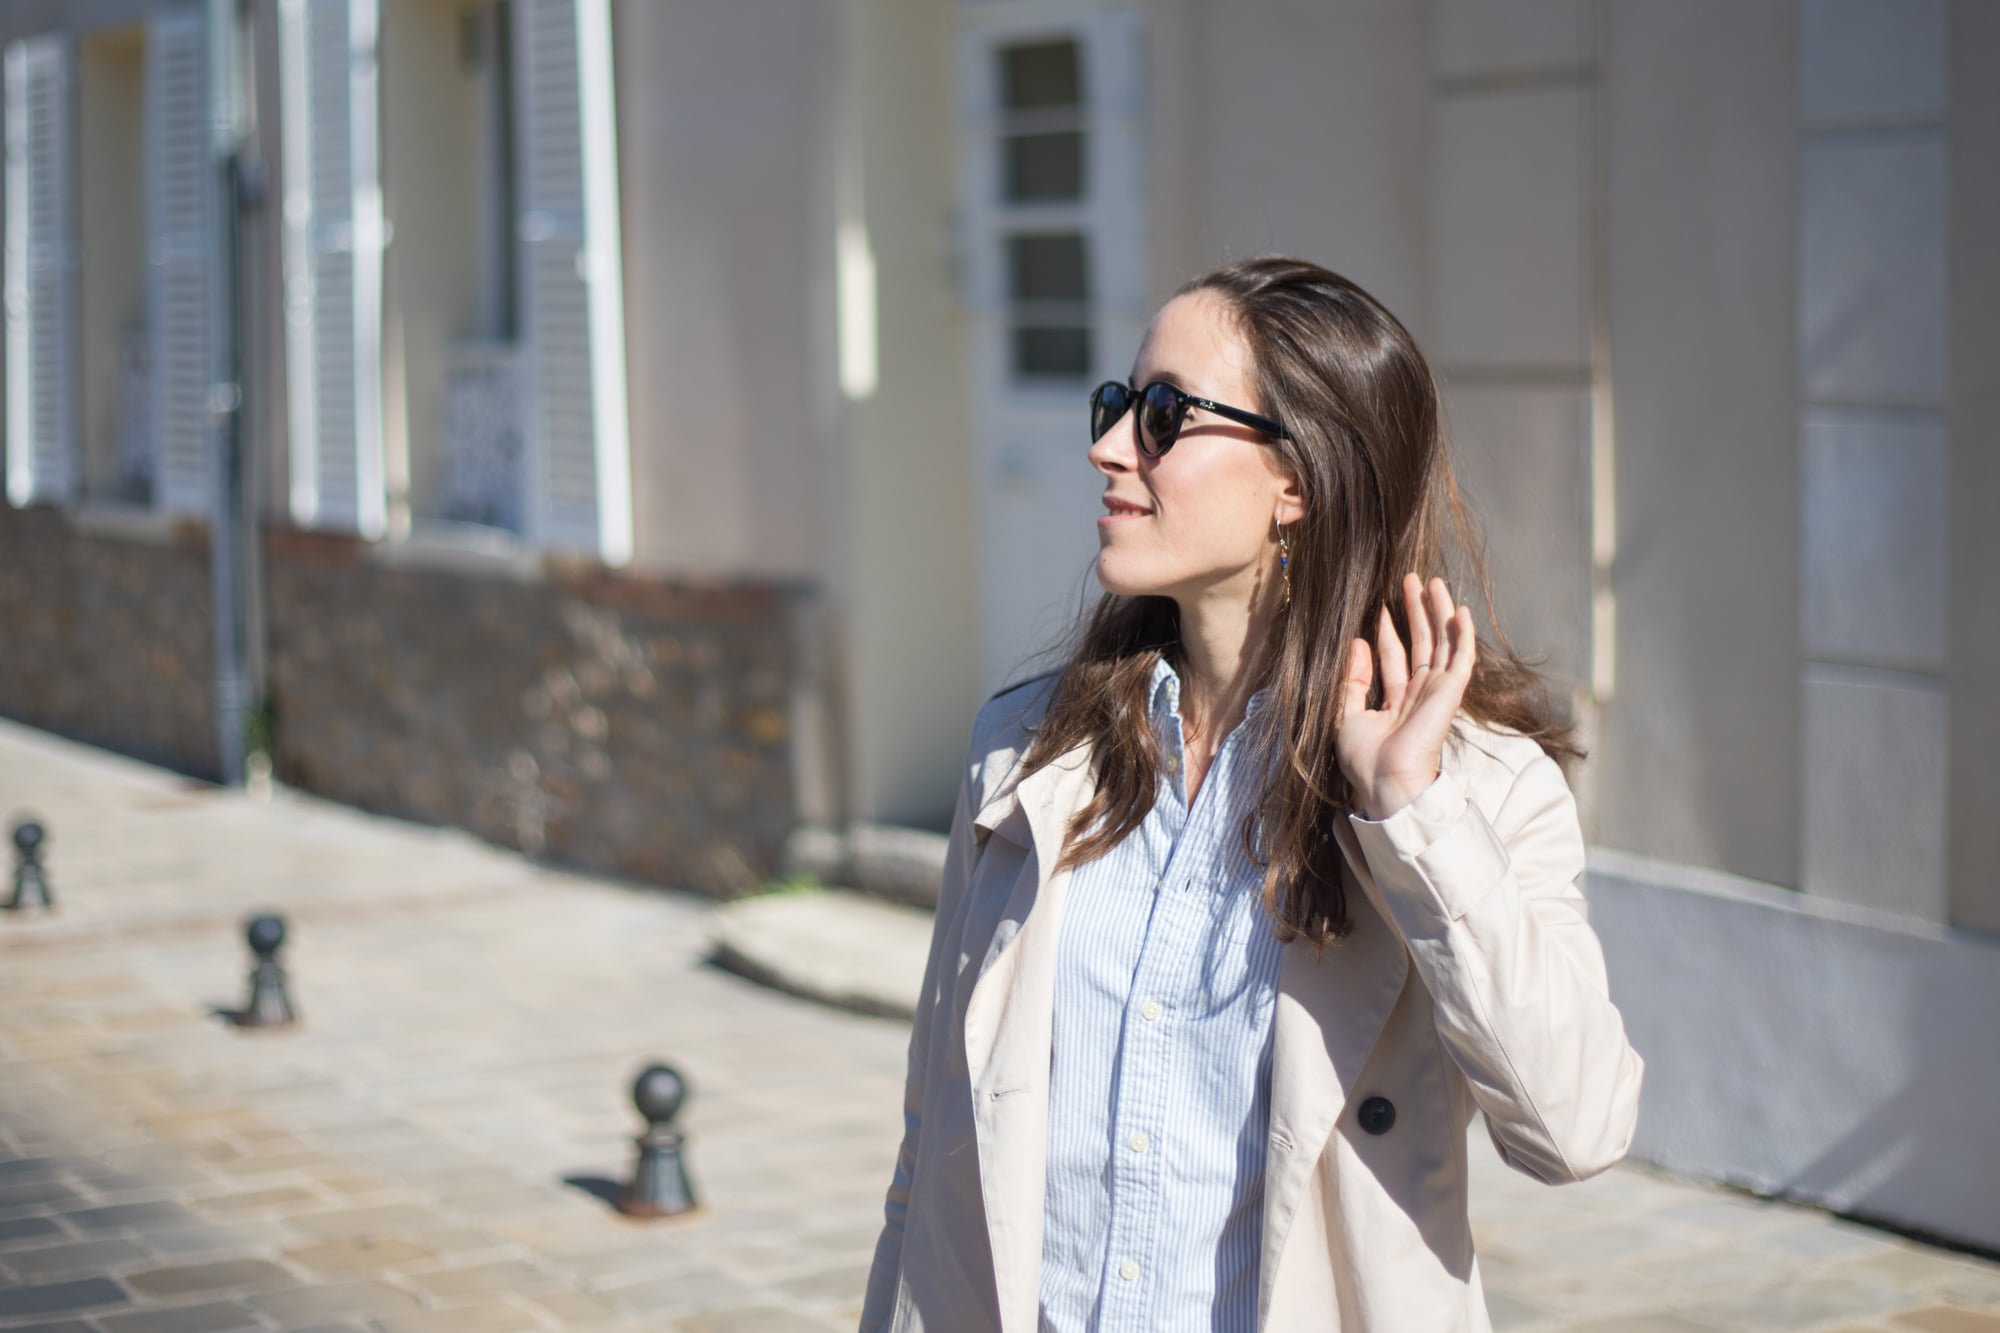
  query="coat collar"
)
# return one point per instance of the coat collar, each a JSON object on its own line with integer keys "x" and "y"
{"x": 1330, "y": 1010}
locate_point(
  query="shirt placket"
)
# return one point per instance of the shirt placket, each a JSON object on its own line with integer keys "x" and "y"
{"x": 1149, "y": 1044}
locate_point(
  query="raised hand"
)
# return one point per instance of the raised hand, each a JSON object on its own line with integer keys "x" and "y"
{"x": 1392, "y": 753}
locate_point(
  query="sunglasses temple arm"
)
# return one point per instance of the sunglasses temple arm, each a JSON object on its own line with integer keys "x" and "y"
{"x": 1242, "y": 418}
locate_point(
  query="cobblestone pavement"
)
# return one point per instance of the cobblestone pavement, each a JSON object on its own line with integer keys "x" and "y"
{"x": 428, "y": 1149}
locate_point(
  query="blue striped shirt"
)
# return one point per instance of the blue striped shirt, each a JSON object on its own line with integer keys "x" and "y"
{"x": 1160, "y": 1076}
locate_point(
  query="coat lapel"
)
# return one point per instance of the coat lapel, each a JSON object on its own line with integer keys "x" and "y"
{"x": 1008, "y": 1025}
{"x": 1329, "y": 1013}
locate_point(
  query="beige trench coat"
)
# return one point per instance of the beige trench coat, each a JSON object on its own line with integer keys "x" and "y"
{"x": 1471, "y": 980}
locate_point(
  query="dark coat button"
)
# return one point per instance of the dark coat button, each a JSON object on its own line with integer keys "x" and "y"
{"x": 1376, "y": 1115}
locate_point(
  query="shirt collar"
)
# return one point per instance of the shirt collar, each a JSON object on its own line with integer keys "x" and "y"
{"x": 1165, "y": 694}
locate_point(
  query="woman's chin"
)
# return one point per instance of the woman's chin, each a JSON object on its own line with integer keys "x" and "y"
{"x": 1118, "y": 582}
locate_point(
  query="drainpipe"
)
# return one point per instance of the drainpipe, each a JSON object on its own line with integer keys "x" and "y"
{"x": 228, "y": 147}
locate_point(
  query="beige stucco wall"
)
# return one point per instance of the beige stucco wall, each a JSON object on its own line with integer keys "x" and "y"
{"x": 746, "y": 133}
{"x": 726, "y": 130}
{"x": 903, "y": 510}
{"x": 1301, "y": 129}
{"x": 1699, "y": 754}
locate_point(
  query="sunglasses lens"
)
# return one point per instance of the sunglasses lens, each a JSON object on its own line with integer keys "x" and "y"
{"x": 1107, "y": 404}
{"x": 1159, "y": 418}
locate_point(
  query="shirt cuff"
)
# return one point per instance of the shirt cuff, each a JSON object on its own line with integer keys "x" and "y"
{"x": 1413, "y": 829}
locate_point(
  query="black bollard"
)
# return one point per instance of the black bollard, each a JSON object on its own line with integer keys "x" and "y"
{"x": 31, "y": 881}
{"x": 660, "y": 1185}
{"x": 269, "y": 1006}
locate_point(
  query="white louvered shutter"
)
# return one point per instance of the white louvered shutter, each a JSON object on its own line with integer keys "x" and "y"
{"x": 181, "y": 258}
{"x": 41, "y": 419}
{"x": 334, "y": 236}
{"x": 572, "y": 306}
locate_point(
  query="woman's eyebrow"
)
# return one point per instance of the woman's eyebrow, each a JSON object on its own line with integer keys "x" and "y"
{"x": 1167, "y": 375}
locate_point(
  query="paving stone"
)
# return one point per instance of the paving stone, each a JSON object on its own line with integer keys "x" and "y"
{"x": 1950, "y": 1277}
{"x": 19, "y": 1230}
{"x": 258, "y": 1200}
{"x": 21, "y": 1195}
{"x": 71, "y": 1259}
{"x": 358, "y": 1253}
{"x": 1947, "y": 1319}
{"x": 306, "y": 1304}
{"x": 509, "y": 1275}
{"x": 846, "y": 1284}
{"x": 461, "y": 1319}
{"x": 751, "y": 1319}
{"x": 385, "y": 1219}
{"x": 155, "y": 1216}
{"x": 1798, "y": 1304}
{"x": 59, "y": 1326}
{"x": 572, "y": 1307}
{"x": 216, "y": 1317}
{"x": 695, "y": 1288}
{"x": 192, "y": 1279}
{"x": 1639, "y": 1323}
{"x": 1510, "y": 1312}
{"x": 202, "y": 1241}
{"x": 61, "y": 1297}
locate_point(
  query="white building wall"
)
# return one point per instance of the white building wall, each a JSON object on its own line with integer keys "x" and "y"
{"x": 1512, "y": 295}
{"x": 1873, "y": 355}
{"x": 1697, "y": 758}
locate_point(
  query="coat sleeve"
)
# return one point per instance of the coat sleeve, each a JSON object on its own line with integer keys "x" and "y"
{"x": 1493, "y": 915}
{"x": 940, "y": 974}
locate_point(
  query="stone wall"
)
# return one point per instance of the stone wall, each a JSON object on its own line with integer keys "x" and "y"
{"x": 619, "y": 724}
{"x": 614, "y": 723}
{"x": 108, "y": 639}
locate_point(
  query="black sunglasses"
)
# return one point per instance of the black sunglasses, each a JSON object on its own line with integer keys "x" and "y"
{"x": 1162, "y": 408}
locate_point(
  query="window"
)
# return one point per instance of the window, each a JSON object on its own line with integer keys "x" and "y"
{"x": 1041, "y": 161}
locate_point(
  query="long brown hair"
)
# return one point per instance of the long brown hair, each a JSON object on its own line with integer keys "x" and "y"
{"x": 1368, "y": 451}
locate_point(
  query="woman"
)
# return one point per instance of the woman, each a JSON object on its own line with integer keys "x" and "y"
{"x": 1243, "y": 914}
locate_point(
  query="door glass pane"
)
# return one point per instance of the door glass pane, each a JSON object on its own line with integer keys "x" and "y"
{"x": 1043, "y": 166}
{"x": 1048, "y": 267}
{"x": 1041, "y": 74}
{"x": 1042, "y": 350}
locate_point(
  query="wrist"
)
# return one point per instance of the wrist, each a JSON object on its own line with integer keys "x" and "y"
{"x": 1386, "y": 798}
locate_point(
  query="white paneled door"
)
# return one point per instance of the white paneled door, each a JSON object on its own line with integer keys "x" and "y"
{"x": 1053, "y": 196}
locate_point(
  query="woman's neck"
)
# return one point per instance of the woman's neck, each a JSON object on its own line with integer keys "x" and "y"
{"x": 1217, "y": 641}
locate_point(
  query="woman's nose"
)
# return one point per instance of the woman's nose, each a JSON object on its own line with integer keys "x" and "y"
{"x": 1117, "y": 449}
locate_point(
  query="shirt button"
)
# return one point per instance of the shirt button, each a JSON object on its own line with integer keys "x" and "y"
{"x": 1150, "y": 1011}
{"x": 1128, "y": 1270}
{"x": 1138, "y": 1142}
{"x": 1173, "y": 765}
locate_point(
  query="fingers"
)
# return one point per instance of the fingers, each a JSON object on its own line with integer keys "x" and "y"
{"x": 1442, "y": 636}
{"x": 1437, "y": 598}
{"x": 1360, "y": 673}
{"x": 1420, "y": 625}
{"x": 1395, "y": 670}
{"x": 1464, "y": 645}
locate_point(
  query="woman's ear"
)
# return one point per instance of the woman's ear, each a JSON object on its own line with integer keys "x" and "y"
{"x": 1291, "y": 505}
